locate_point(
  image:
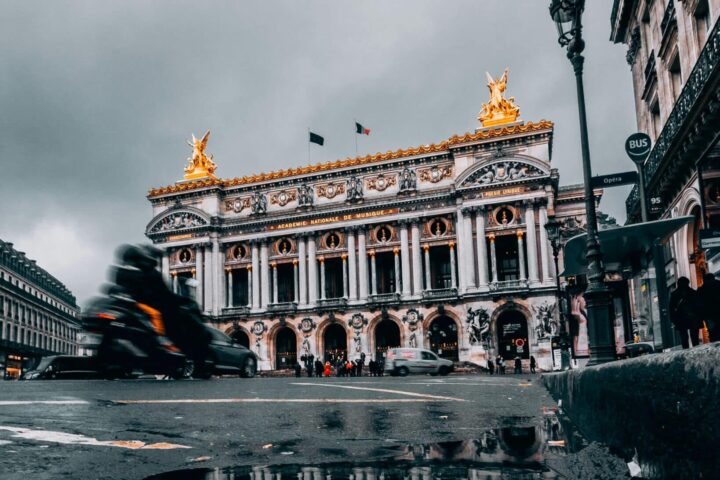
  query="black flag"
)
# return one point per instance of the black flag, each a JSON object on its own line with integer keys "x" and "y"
{"x": 315, "y": 138}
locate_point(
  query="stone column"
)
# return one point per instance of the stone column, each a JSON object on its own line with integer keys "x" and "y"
{"x": 453, "y": 284}
{"x": 405, "y": 259}
{"x": 296, "y": 280}
{"x": 200, "y": 276}
{"x": 481, "y": 248}
{"x": 302, "y": 271}
{"x": 468, "y": 249}
{"x": 250, "y": 286}
{"x": 321, "y": 259}
{"x": 264, "y": 276}
{"x": 493, "y": 259}
{"x": 174, "y": 282}
{"x": 416, "y": 261}
{"x": 230, "y": 299}
{"x": 345, "y": 275}
{"x": 362, "y": 265}
{"x": 352, "y": 264}
{"x": 373, "y": 272}
{"x": 544, "y": 250}
{"x": 219, "y": 280}
{"x": 521, "y": 255}
{"x": 312, "y": 271}
{"x": 274, "y": 283}
{"x": 208, "y": 277}
{"x": 531, "y": 244}
{"x": 426, "y": 249}
{"x": 166, "y": 267}
{"x": 398, "y": 288}
{"x": 459, "y": 237}
{"x": 255, "y": 276}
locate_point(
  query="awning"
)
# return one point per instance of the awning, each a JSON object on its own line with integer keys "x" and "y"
{"x": 621, "y": 246}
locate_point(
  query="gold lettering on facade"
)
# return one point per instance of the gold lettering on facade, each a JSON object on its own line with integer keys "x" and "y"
{"x": 333, "y": 219}
{"x": 185, "y": 236}
{"x": 503, "y": 192}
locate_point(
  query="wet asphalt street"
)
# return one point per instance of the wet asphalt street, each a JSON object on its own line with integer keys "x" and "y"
{"x": 136, "y": 428}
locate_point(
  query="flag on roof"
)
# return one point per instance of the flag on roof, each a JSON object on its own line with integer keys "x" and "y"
{"x": 315, "y": 138}
{"x": 360, "y": 130}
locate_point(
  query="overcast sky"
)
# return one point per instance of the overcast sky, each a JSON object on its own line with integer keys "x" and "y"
{"x": 97, "y": 99}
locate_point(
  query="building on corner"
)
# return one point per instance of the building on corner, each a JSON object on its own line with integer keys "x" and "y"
{"x": 442, "y": 246}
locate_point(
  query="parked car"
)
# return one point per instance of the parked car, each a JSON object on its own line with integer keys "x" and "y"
{"x": 403, "y": 361}
{"x": 63, "y": 367}
{"x": 227, "y": 356}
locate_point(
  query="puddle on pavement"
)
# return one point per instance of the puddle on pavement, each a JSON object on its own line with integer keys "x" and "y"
{"x": 509, "y": 452}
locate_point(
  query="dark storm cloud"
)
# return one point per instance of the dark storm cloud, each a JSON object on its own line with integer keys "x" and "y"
{"x": 98, "y": 98}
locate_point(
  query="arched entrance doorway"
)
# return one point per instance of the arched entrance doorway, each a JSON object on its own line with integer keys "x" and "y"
{"x": 334, "y": 342}
{"x": 512, "y": 333}
{"x": 443, "y": 336}
{"x": 240, "y": 337}
{"x": 387, "y": 336}
{"x": 285, "y": 348}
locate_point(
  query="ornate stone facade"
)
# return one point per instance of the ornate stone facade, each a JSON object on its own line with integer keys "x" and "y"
{"x": 442, "y": 246}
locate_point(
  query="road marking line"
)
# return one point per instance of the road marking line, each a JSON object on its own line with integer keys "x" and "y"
{"x": 5, "y": 403}
{"x": 74, "y": 439}
{"x": 273, "y": 400}
{"x": 385, "y": 390}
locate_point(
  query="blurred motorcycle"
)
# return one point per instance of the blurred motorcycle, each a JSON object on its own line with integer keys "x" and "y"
{"x": 142, "y": 325}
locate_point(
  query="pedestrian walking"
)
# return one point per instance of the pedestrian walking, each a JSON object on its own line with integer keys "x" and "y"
{"x": 533, "y": 364}
{"x": 685, "y": 312}
{"x": 361, "y": 364}
{"x": 318, "y": 368}
{"x": 708, "y": 295}
{"x": 327, "y": 371}
{"x": 500, "y": 362}
{"x": 490, "y": 366}
{"x": 371, "y": 368}
{"x": 298, "y": 370}
{"x": 518, "y": 365}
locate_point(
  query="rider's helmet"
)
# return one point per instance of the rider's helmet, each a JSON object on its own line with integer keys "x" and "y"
{"x": 188, "y": 288}
{"x": 142, "y": 257}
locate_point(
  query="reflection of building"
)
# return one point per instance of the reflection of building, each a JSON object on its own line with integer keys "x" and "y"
{"x": 441, "y": 246}
{"x": 38, "y": 314}
{"x": 674, "y": 53}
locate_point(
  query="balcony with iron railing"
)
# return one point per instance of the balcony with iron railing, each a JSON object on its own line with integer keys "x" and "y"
{"x": 440, "y": 294}
{"x": 689, "y": 101}
{"x": 384, "y": 298}
{"x": 509, "y": 286}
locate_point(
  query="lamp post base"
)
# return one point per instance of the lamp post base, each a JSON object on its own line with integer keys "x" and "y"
{"x": 602, "y": 337}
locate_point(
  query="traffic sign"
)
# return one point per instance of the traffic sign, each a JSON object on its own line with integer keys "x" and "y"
{"x": 638, "y": 146}
{"x": 614, "y": 179}
{"x": 709, "y": 239}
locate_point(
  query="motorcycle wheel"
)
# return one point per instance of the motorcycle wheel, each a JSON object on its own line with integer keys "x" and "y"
{"x": 184, "y": 372}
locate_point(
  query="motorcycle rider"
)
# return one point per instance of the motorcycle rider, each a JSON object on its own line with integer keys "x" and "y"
{"x": 140, "y": 277}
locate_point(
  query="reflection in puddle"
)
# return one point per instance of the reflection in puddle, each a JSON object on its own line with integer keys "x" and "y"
{"x": 510, "y": 452}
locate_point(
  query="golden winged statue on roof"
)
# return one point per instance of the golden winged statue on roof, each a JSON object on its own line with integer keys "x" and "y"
{"x": 199, "y": 164}
{"x": 499, "y": 110}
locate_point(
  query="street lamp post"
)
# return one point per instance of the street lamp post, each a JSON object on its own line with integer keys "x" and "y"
{"x": 553, "y": 229}
{"x": 567, "y": 15}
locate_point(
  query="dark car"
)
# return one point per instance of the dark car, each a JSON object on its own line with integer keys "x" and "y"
{"x": 226, "y": 356}
{"x": 63, "y": 367}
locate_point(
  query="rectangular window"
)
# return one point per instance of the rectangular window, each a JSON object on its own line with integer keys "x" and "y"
{"x": 675, "y": 76}
{"x": 702, "y": 22}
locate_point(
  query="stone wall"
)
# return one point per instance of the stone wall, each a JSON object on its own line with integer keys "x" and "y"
{"x": 667, "y": 406}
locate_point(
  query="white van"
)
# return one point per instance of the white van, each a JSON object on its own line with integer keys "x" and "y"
{"x": 402, "y": 361}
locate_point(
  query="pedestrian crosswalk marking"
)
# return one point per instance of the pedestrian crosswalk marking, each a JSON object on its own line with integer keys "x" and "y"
{"x": 386, "y": 390}
{"x": 273, "y": 400}
{"x": 7, "y": 403}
